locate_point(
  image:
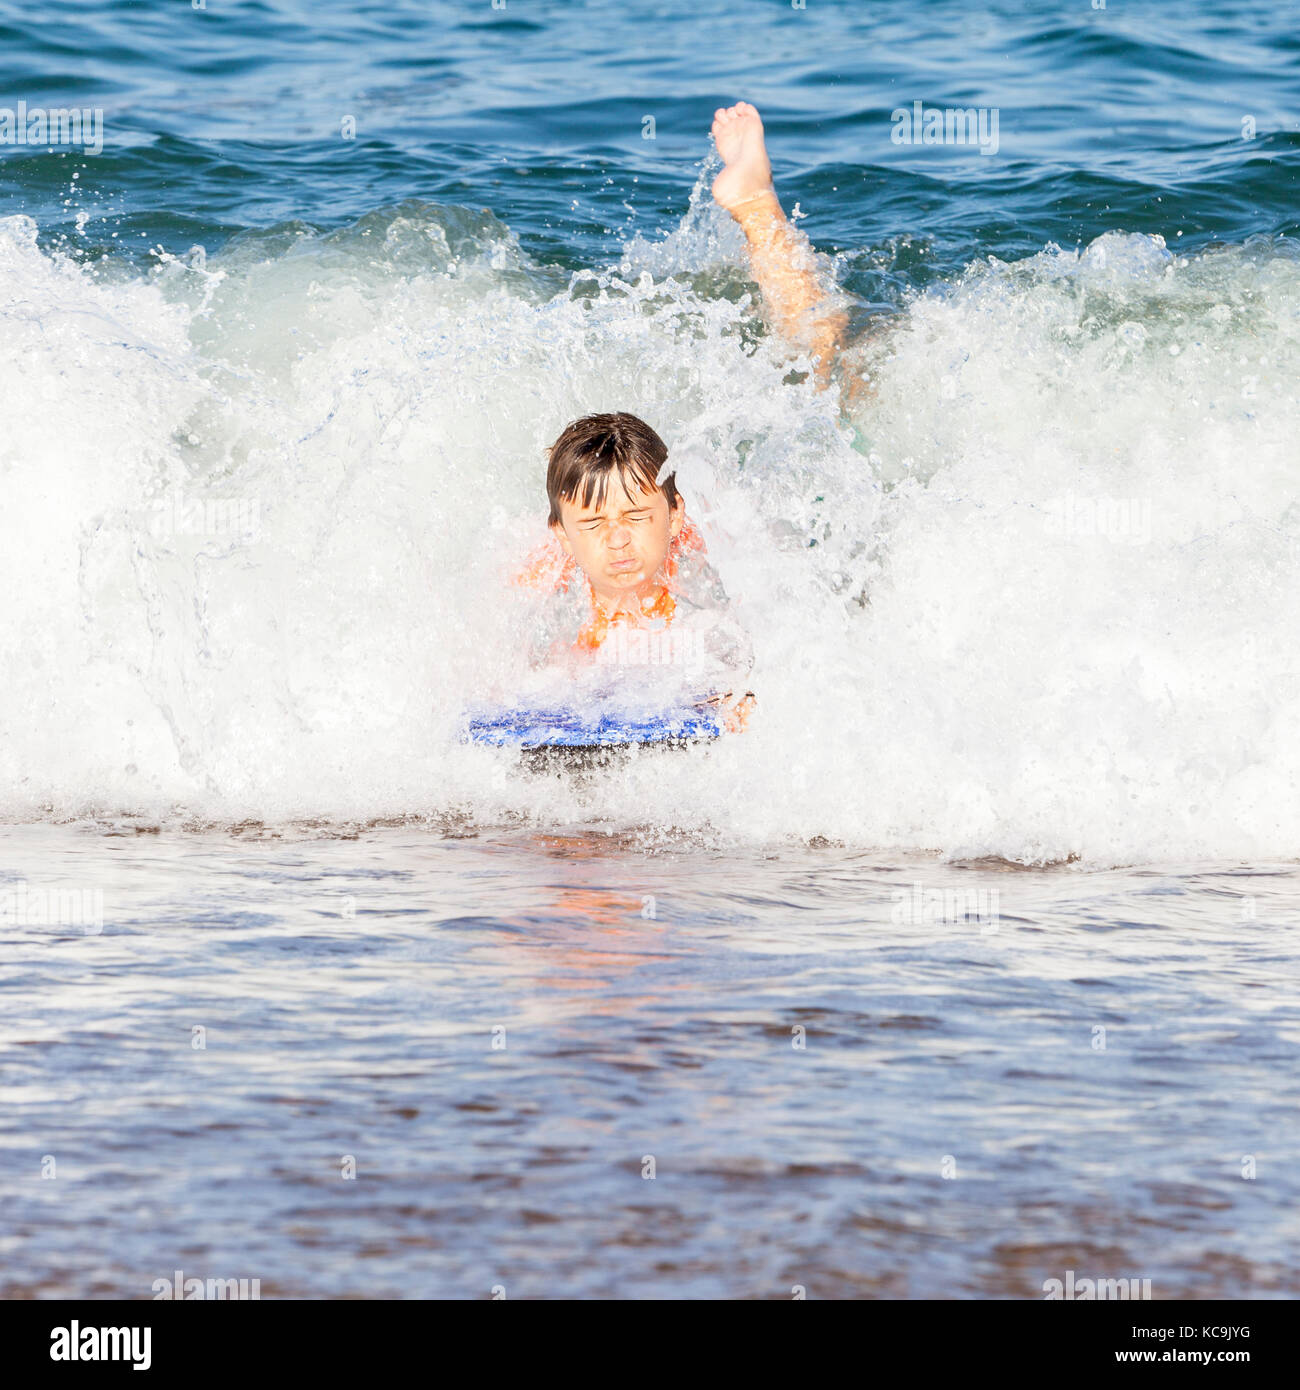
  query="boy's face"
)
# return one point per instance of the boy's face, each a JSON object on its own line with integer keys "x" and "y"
{"x": 621, "y": 543}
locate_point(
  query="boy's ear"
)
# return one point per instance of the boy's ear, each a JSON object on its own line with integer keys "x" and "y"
{"x": 557, "y": 530}
{"x": 677, "y": 517}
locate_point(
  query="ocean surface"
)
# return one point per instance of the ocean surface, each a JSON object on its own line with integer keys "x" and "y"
{"x": 973, "y": 962}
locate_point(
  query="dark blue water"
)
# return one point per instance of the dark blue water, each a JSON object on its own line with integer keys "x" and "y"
{"x": 230, "y": 117}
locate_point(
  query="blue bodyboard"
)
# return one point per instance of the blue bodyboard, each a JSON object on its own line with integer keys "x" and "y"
{"x": 550, "y": 728}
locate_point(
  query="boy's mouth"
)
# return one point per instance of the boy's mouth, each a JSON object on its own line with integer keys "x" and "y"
{"x": 623, "y": 565}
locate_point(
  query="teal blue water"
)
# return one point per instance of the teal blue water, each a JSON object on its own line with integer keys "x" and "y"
{"x": 226, "y": 118}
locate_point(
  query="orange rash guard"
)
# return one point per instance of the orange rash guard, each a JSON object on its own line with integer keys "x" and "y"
{"x": 549, "y": 569}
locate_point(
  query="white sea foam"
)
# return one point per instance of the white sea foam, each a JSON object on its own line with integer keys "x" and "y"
{"x": 1042, "y": 605}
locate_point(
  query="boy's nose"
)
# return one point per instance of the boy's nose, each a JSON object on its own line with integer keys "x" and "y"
{"x": 619, "y": 538}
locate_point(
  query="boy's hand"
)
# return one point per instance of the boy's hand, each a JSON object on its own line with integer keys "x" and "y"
{"x": 735, "y": 710}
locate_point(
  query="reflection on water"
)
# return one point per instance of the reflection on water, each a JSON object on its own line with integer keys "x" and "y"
{"x": 866, "y": 1075}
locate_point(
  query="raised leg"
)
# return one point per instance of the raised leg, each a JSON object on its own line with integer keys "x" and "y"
{"x": 796, "y": 294}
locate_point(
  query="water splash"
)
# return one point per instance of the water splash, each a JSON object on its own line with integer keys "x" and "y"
{"x": 1032, "y": 599}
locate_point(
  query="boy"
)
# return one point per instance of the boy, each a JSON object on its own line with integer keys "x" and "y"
{"x": 626, "y": 569}
{"x": 627, "y": 566}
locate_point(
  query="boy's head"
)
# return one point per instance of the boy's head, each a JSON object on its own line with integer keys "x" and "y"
{"x": 608, "y": 507}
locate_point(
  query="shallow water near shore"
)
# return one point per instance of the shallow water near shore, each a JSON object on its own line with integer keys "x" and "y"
{"x": 503, "y": 1028}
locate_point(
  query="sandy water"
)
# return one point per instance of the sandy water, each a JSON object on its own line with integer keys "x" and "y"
{"x": 860, "y": 1073}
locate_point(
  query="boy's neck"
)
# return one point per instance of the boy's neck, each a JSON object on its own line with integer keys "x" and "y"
{"x": 629, "y": 600}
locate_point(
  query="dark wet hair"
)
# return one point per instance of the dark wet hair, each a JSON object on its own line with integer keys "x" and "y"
{"x": 591, "y": 449}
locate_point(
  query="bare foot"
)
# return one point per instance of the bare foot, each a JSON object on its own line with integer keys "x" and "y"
{"x": 738, "y": 133}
